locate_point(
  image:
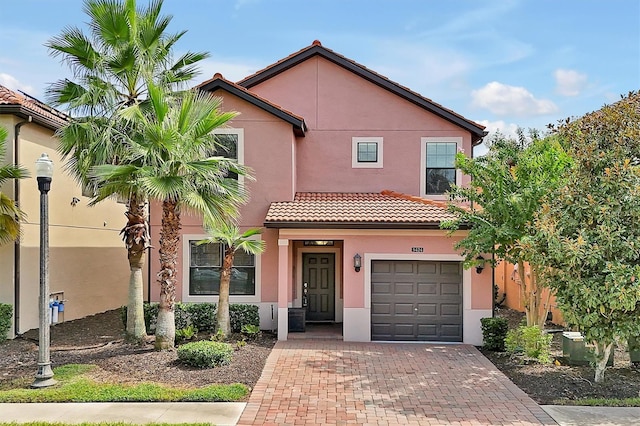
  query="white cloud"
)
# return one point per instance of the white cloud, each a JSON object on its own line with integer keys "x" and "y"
{"x": 13, "y": 83}
{"x": 241, "y": 3}
{"x": 569, "y": 82}
{"x": 493, "y": 127}
{"x": 502, "y": 99}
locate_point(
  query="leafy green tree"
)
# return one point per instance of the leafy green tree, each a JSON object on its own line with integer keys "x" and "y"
{"x": 228, "y": 234}
{"x": 508, "y": 186}
{"x": 10, "y": 214}
{"x": 125, "y": 48}
{"x": 169, "y": 159}
{"x": 590, "y": 229}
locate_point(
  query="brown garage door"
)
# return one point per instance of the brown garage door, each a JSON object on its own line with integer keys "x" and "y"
{"x": 416, "y": 300}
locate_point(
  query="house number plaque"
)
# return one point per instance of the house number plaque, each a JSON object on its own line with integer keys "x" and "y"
{"x": 417, "y": 249}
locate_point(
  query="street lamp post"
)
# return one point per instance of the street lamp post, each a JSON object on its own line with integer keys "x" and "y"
{"x": 44, "y": 376}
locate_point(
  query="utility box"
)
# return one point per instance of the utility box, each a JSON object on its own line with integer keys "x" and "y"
{"x": 576, "y": 351}
{"x": 297, "y": 319}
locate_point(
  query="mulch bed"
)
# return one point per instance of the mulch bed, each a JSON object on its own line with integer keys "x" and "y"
{"x": 98, "y": 340}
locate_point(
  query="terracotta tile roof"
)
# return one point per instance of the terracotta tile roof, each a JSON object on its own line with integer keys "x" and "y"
{"x": 219, "y": 82}
{"x": 370, "y": 209}
{"x": 16, "y": 103}
{"x": 316, "y": 48}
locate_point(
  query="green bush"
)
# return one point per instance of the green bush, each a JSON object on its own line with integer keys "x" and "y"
{"x": 241, "y": 315}
{"x": 494, "y": 331}
{"x": 6, "y": 312}
{"x": 188, "y": 333}
{"x": 203, "y": 315}
{"x": 205, "y": 354}
{"x": 532, "y": 341}
{"x": 250, "y": 331}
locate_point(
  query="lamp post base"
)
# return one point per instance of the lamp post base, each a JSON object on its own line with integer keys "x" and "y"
{"x": 44, "y": 377}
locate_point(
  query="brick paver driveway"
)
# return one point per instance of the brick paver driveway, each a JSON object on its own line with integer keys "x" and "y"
{"x": 333, "y": 382}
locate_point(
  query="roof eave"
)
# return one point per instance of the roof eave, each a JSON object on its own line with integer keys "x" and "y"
{"x": 353, "y": 225}
{"x": 299, "y": 125}
{"x": 25, "y": 113}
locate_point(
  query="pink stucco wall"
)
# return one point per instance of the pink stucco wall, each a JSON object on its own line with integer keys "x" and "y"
{"x": 338, "y": 105}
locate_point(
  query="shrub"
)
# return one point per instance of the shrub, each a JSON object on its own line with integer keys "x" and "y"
{"x": 181, "y": 316}
{"x": 494, "y": 331}
{"x": 205, "y": 354}
{"x": 188, "y": 333}
{"x": 6, "y": 312}
{"x": 241, "y": 315}
{"x": 530, "y": 340}
{"x": 250, "y": 331}
{"x": 203, "y": 315}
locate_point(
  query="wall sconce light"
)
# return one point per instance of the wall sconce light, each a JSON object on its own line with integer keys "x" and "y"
{"x": 74, "y": 201}
{"x": 357, "y": 262}
{"x": 480, "y": 266}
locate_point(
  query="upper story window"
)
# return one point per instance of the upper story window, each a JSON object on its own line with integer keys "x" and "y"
{"x": 366, "y": 152}
{"x": 231, "y": 145}
{"x": 205, "y": 265}
{"x": 438, "y": 165}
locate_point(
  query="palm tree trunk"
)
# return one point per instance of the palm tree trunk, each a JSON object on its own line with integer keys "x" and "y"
{"x": 169, "y": 241}
{"x": 223, "y": 319}
{"x": 136, "y": 238}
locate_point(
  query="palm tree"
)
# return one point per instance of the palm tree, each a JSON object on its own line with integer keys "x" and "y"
{"x": 126, "y": 47}
{"x": 228, "y": 234}
{"x": 169, "y": 159}
{"x": 10, "y": 214}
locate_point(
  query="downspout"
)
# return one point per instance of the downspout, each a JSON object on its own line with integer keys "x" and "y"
{"x": 149, "y": 254}
{"x": 16, "y": 246}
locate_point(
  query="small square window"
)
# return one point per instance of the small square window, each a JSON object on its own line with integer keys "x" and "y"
{"x": 366, "y": 152}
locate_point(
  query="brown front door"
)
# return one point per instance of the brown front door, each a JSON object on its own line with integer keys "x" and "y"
{"x": 319, "y": 284}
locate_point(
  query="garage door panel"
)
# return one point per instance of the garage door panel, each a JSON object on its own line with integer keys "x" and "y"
{"x": 448, "y": 309}
{"x": 449, "y": 288}
{"x": 381, "y": 308}
{"x": 427, "y": 268}
{"x": 404, "y": 268}
{"x": 416, "y": 300}
{"x": 427, "y": 288}
{"x": 381, "y": 288}
{"x": 404, "y": 288}
{"x": 427, "y": 309}
{"x": 452, "y": 268}
{"x": 403, "y": 308}
{"x": 381, "y": 267}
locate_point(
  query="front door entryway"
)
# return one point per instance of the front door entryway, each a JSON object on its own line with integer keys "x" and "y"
{"x": 319, "y": 283}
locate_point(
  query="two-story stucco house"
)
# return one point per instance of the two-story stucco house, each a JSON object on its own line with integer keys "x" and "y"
{"x": 351, "y": 172}
{"x": 88, "y": 265}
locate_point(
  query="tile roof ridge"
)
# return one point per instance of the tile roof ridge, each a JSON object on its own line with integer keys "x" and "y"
{"x": 414, "y": 198}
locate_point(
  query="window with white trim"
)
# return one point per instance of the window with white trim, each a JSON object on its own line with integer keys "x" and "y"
{"x": 205, "y": 265}
{"x": 438, "y": 172}
{"x": 230, "y": 145}
{"x": 366, "y": 152}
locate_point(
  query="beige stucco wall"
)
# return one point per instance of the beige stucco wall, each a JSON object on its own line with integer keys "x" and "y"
{"x": 87, "y": 257}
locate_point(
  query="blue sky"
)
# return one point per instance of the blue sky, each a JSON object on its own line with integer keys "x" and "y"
{"x": 503, "y": 63}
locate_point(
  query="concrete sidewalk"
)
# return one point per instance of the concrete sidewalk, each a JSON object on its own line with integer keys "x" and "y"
{"x": 566, "y": 415}
{"x": 228, "y": 413}
{"x": 218, "y": 413}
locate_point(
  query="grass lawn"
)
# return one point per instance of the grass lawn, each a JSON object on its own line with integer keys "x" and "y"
{"x": 74, "y": 385}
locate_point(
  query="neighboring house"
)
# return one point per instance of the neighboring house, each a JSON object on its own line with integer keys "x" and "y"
{"x": 350, "y": 167}
{"x": 88, "y": 265}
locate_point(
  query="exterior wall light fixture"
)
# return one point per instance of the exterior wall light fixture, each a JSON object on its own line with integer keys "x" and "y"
{"x": 480, "y": 265}
{"x": 357, "y": 262}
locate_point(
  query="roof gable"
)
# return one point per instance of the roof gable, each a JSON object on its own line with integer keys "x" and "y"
{"x": 218, "y": 82}
{"x": 316, "y": 49}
